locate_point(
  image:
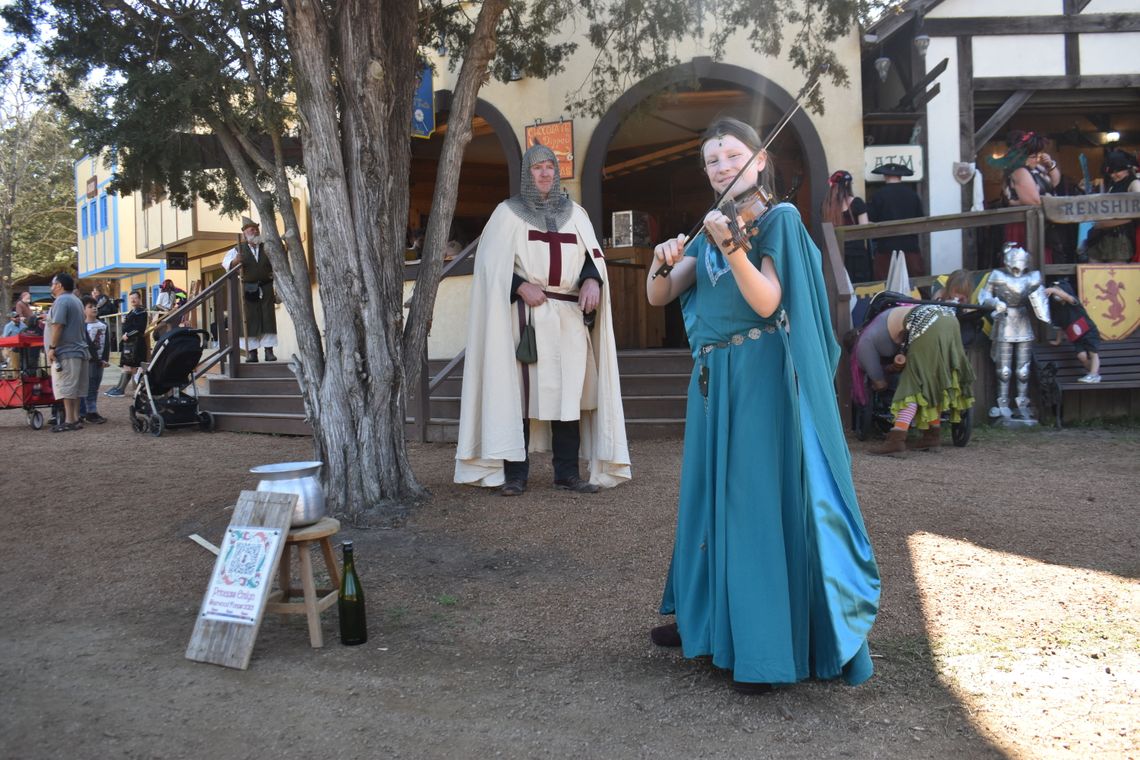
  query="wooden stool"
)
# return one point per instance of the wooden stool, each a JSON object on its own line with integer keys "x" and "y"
{"x": 315, "y": 600}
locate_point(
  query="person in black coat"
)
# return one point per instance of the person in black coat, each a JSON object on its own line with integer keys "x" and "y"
{"x": 895, "y": 200}
{"x": 135, "y": 346}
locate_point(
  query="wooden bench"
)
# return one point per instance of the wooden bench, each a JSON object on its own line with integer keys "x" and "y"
{"x": 1058, "y": 371}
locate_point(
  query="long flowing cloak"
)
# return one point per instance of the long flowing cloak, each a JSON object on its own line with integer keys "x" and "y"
{"x": 491, "y": 406}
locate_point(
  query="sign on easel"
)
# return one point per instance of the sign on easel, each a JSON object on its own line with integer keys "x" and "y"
{"x": 235, "y": 599}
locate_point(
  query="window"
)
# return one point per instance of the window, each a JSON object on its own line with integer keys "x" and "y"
{"x": 83, "y": 220}
{"x": 102, "y": 212}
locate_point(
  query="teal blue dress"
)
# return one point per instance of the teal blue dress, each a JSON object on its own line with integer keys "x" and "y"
{"x": 772, "y": 573}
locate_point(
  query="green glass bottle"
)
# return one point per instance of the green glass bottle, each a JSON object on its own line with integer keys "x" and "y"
{"x": 350, "y": 602}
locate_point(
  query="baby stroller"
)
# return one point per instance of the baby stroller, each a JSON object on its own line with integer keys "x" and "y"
{"x": 159, "y": 400}
{"x": 874, "y": 418}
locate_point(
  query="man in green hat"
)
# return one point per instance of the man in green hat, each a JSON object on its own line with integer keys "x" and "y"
{"x": 258, "y": 300}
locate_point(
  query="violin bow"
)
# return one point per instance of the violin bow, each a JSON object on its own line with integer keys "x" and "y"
{"x": 797, "y": 104}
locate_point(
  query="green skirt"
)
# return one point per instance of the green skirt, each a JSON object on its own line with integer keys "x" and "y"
{"x": 937, "y": 377}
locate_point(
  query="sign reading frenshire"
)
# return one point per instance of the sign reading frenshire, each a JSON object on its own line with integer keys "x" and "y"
{"x": 1091, "y": 208}
{"x": 1110, "y": 294}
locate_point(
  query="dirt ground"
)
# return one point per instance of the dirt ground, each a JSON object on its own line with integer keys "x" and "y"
{"x": 517, "y": 628}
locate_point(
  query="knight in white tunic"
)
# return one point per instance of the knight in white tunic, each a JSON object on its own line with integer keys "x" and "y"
{"x": 538, "y": 263}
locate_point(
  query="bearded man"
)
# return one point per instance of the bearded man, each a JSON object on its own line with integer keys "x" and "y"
{"x": 540, "y": 279}
{"x": 258, "y": 299}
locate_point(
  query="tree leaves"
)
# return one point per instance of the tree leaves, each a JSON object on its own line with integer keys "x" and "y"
{"x": 37, "y": 198}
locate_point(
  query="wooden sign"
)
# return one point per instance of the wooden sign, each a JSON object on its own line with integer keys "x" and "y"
{"x": 177, "y": 260}
{"x": 234, "y": 602}
{"x": 92, "y": 187}
{"x": 1091, "y": 208}
{"x": 1108, "y": 291}
{"x": 875, "y": 156}
{"x": 423, "y": 105}
{"x": 559, "y": 137}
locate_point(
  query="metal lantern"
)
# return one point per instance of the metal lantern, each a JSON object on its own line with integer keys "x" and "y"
{"x": 883, "y": 66}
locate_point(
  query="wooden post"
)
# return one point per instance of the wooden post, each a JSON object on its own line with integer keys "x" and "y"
{"x": 839, "y": 293}
{"x": 421, "y": 401}
{"x": 236, "y": 325}
{"x": 966, "y": 144}
{"x": 1035, "y": 234}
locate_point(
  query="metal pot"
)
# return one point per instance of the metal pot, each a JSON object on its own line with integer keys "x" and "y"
{"x": 301, "y": 478}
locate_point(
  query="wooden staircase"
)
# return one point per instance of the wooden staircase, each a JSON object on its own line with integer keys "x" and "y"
{"x": 267, "y": 399}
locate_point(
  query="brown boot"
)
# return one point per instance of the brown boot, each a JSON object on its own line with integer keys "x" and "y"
{"x": 931, "y": 439}
{"x": 895, "y": 443}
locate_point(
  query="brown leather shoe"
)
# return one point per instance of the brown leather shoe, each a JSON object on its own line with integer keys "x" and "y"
{"x": 665, "y": 635}
{"x": 930, "y": 439}
{"x": 895, "y": 443}
{"x": 577, "y": 485}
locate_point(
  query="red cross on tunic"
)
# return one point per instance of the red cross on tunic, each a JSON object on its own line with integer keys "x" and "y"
{"x": 555, "y": 240}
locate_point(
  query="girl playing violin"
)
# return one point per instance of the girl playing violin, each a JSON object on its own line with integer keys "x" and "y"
{"x": 772, "y": 572}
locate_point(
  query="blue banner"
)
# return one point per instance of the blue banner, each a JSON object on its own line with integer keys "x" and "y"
{"x": 423, "y": 106}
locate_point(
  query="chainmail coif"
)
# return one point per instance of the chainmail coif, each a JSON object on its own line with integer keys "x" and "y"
{"x": 528, "y": 205}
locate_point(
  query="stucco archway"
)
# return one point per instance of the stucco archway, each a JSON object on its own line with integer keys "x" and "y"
{"x": 801, "y": 126}
{"x": 503, "y": 130}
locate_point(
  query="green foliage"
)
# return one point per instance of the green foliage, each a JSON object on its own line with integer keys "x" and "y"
{"x": 636, "y": 38}
{"x": 152, "y": 75}
{"x": 155, "y": 72}
{"x": 37, "y": 199}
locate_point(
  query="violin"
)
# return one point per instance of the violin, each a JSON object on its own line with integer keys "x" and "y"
{"x": 747, "y": 208}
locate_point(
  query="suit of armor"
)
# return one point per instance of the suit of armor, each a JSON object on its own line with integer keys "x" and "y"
{"x": 1018, "y": 296}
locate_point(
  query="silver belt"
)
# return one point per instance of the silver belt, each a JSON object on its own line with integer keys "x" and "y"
{"x": 753, "y": 334}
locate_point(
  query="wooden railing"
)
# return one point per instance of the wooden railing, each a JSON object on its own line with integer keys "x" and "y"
{"x": 224, "y": 294}
{"x": 420, "y": 403}
{"x": 840, "y": 292}
{"x": 834, "y": 238}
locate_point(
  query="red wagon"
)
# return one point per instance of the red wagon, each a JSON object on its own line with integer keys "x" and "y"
{"x": 28, "y": 388}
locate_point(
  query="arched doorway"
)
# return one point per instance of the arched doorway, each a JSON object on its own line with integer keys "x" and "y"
{"x": 646, "y": 160}
{"x": 489, "y": 173}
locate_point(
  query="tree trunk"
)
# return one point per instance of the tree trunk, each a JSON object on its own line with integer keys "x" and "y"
{"x": 5, "y": 265}
{"x": 357, "y": 167}
{"x": 472, "y": 74}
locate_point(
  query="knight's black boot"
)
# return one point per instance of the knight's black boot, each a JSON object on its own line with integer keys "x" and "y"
{"x": 269, "y": 355}
{"x": 251, "y": 357}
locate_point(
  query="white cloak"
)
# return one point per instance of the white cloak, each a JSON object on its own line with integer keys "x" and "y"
{"x": 576, "y": 376}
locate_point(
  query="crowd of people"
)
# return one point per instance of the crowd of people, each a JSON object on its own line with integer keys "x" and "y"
{"x": 77, "y": 346}
{"x": 1028, "y": 174}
